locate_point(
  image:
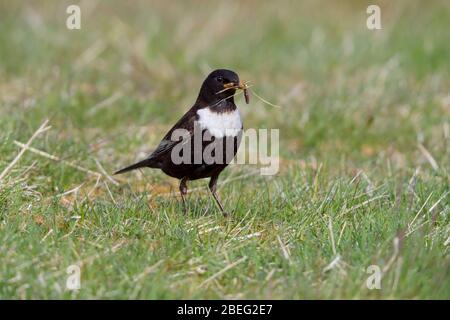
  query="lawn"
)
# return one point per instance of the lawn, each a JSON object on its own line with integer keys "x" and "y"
{"x": 364, "y": 151}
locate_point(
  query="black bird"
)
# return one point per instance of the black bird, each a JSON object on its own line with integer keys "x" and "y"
{"x": 213, "y": 120}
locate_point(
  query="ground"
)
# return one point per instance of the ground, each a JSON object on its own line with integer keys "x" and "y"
{"x": 364, "y": 151}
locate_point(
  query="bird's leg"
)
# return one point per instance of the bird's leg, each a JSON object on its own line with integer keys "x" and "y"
{"x": 213, "y": 188}
{"x": 183, "y": 192}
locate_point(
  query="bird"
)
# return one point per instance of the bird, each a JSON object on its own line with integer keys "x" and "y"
{"x": 215, "y": 121}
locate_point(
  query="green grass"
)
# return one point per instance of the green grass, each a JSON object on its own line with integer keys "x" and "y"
{"x": 362, "y": 114}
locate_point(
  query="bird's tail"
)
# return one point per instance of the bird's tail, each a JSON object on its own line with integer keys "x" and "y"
{"x": 144, "y": 163}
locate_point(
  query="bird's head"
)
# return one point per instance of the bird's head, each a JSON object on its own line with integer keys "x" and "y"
{"x": 220, "y": 85}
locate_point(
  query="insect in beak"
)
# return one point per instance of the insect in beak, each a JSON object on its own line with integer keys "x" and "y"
{"x": 244, "y": 87}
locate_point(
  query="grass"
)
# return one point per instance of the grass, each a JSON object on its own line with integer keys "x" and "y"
{"x": 364, "y": 146}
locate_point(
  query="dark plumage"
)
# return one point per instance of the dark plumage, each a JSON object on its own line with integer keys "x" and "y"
{"x": 215, "y": 115}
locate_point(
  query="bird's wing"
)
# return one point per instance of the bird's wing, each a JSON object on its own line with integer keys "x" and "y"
{"x": 186, "y": 126}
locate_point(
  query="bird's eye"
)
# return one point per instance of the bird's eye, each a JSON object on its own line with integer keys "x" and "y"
{"x": 220, "y": 79}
